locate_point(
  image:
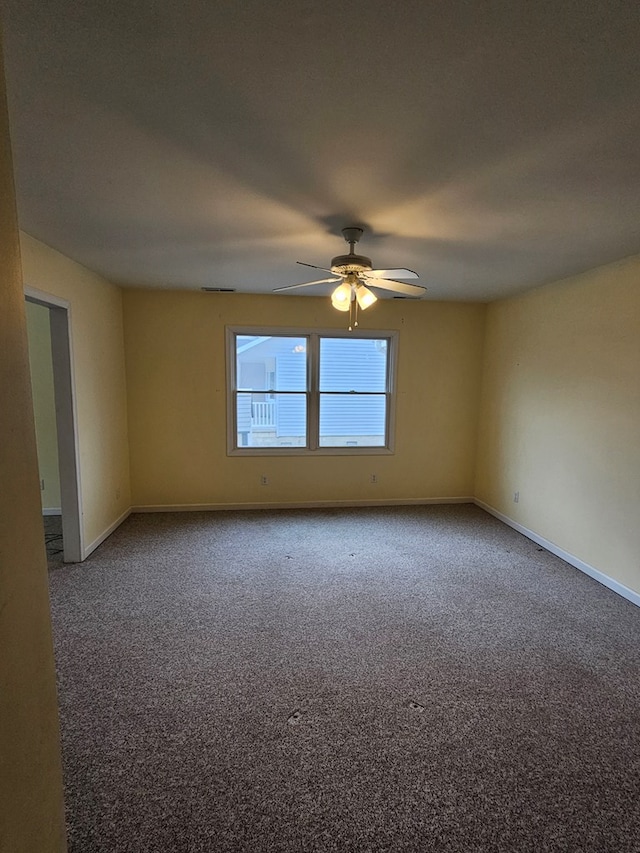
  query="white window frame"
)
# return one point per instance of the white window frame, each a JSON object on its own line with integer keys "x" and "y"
{"x": 312, "y": 392}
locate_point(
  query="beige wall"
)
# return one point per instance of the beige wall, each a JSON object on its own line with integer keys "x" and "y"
{"x": 44, "y": 404}
{"x": 175, "y": 352}
{"x": 31, "y": 813}
{"x": 560, "y": 416}
{"x": 98, "y": 364}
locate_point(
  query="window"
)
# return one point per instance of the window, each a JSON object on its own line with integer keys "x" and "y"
{"x": 297, "y": 392}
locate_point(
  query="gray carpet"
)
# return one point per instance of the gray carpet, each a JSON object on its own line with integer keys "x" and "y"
{"x": 53, "y": 540}
{"x": 405, "y": 679}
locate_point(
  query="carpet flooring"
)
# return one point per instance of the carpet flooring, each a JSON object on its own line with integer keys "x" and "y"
{"x": 399, "y": 679}
{"x": 53, "y": 540}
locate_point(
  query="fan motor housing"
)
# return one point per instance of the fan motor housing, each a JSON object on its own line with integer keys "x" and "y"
{"x": 350, "y": 263}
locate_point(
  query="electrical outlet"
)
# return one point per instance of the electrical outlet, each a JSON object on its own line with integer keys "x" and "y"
{"x": 374, "y": 478}
{"x": 42, "y": 485}
{"x": 264, "y": 480}
{"x": 516, "y": 497}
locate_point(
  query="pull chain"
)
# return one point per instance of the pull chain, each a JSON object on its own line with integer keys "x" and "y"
{"x": 353, "y": 311}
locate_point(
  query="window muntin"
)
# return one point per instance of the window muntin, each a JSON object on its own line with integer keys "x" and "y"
{"x": 318, "y": 392}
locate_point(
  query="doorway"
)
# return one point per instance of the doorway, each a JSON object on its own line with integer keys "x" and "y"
{"x": 57, "y": 439}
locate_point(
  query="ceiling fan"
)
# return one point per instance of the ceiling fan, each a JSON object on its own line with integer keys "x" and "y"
{"x": 354, "y": 272}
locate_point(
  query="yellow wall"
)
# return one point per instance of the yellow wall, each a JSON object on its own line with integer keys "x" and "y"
{"x": 31, "y": 811}
{"x": 44, "y": 408}
{"x": 560, "y": 416}
{"x": 98, "y": 363}
{"x": 175, "y": 354}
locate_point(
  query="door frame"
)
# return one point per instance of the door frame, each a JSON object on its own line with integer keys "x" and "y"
{"x": 66, "y": 421}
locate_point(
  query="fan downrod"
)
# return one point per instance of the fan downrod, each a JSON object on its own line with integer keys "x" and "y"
{"x": 351, "y": 263}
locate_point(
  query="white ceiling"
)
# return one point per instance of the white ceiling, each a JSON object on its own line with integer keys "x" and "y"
{"x": 490, "y": 146}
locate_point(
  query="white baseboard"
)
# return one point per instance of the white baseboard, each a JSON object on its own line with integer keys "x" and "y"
{"x": 89, "y": 549}
{"x": 299, "y": 504}
{"x": 52, "y": 510}
{"x": 574, "y": 561}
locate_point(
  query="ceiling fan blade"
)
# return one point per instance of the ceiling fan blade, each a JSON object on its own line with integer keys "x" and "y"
{"x": 391, "y": 274}
{"x": 397, "y": 286}
{"x": 305, "y": 284}
{"x": 313, "y": 266}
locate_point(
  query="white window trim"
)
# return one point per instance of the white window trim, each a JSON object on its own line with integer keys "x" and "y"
{"x": 313, "y": 395}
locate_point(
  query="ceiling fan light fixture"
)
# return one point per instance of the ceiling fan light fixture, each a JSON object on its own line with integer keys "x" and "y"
{"x": 341, "y": 297}
{"x": 352, "y": 294}
{"x": 365, "y": 296}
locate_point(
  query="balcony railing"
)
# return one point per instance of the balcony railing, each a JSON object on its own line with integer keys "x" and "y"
{"x": 263, "y": 415}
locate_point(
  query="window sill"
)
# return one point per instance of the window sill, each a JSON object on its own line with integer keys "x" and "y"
{"x": 303, "y": 451}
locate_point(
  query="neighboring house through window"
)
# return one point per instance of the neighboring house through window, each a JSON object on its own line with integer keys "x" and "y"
{"x": 300, "y": 391}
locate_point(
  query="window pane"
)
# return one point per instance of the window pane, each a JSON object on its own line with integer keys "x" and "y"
{"x": 266, "y": 363}
{"x": 353, "y": 364}
{"x": 271, "y": 420}
{"x": 352, "y": 420}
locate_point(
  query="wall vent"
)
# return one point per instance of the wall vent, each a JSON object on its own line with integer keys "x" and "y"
{"x": 218, "y": 289}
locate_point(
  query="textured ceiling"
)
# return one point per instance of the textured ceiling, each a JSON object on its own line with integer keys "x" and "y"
{"x": 490, "y": 146}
